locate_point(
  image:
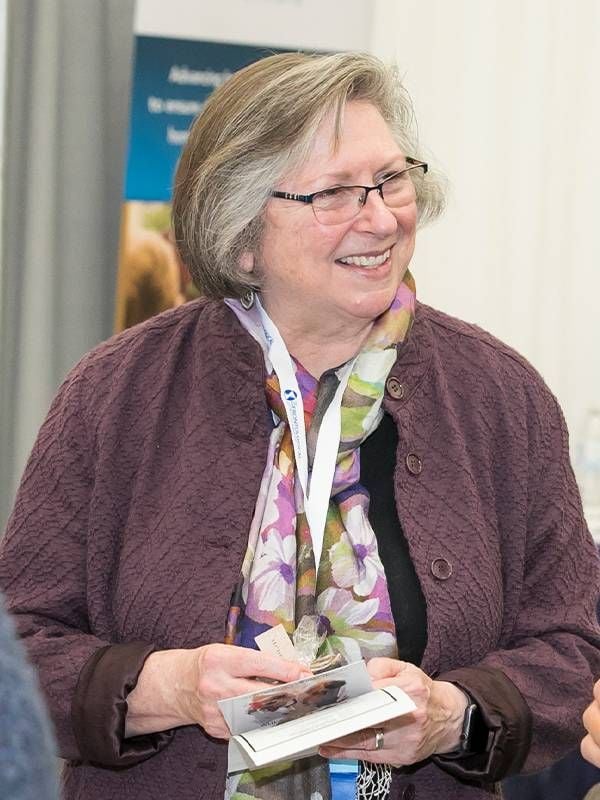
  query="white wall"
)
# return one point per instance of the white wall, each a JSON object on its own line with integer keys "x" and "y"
{"x": 507, "y": 100}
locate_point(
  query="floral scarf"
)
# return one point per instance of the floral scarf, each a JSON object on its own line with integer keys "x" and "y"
{"x": 279, "y": 581}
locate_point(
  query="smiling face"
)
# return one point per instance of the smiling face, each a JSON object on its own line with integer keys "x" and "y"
{"x": 329, "y": 280}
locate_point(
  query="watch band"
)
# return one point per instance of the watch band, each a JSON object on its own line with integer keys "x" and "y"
{"x": 474, "y": 735}
{"x": 468, "y": 729}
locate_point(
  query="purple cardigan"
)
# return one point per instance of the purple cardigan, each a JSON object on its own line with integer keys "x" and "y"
{"x": 132, "y": 517}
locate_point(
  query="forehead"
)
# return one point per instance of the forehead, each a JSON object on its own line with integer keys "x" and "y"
{"x": 365, "y": 145}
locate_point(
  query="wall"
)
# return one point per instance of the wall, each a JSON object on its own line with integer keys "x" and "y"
{"x": 506, "y": 99}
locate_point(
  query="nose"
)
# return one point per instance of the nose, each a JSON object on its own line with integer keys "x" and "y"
{"x": 375, "y": 216}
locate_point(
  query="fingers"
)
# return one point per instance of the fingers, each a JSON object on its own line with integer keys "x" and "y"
{"x": 391, "y": 672}
{"x": 591, "y": 720}
{"x": 410, "y": 738}
{"x": 242, "y": 662}
{"x": 374, "y": 756}
{"x": 409, "y": 678}
{"x": 362, "y": 745}
{"x": 227, "y": 671}
{"x": 382, "y": 668}
{"x": 359, "y": 740}
{"x": 359, "y": 745}
{"x": 590, "y": 750}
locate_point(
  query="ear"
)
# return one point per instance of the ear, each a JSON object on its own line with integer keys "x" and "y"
{"x": 247, "y": 261}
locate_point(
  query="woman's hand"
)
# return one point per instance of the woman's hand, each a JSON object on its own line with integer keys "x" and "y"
{"x": 433, "y": 728}
{"x": 590, "y": 746}
{"x": 182, "y": 687}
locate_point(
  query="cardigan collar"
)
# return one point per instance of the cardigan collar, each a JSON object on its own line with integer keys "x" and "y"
{"x": 413, "y": 360}
{"x": 242, "y": 371}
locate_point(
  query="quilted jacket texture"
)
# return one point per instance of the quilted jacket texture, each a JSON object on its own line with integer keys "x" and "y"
{"x": 131, "y": 523}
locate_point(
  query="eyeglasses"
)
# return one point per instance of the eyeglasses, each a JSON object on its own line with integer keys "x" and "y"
{"x": 342, "y": 203}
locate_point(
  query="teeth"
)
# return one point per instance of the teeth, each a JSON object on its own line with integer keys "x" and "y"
{"x": 366, "y": 261}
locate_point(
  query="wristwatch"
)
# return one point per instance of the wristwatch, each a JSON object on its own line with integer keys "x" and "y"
{"x": 474, "y": 735}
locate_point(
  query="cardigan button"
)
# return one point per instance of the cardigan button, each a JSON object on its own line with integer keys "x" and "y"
{"x": 441, "y": 569}
{"x": 414, "y": 464}
{"x": 394, "y": 388}
{"x": 409, "y": 792}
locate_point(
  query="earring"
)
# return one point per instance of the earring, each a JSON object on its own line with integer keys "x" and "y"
{"x": 247, "y": 300}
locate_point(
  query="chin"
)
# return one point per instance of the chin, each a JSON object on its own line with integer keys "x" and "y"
{"x": 374, "y": 304}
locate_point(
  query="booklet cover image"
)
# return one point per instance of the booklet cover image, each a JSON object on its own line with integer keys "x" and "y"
{"x": 288, "y": 701}
{"x": 282, "y": 704}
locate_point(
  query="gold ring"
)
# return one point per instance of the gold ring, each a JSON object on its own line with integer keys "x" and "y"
{"x": 378, "y": 738}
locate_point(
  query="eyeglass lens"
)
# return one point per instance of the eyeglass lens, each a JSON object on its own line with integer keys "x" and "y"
{"x": 344, "y": 202}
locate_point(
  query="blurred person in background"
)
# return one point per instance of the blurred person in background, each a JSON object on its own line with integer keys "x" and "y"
{"x": 28, "y": 765}
{"x": 152, "y": 277}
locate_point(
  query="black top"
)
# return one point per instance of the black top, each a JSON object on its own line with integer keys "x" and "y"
{"x": 377, "y": 465}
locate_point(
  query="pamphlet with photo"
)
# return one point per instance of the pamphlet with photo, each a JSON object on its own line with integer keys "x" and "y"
{"x": 294, "y": 719}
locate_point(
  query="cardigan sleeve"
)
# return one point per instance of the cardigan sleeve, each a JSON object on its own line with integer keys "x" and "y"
{"x": 43, "y": 574}
{"x": 553, "y": 654}
{"x": 507, "y": 719}
{"x": 99, "y": 707}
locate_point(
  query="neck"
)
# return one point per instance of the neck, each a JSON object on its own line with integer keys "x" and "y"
{"x": 318, "y": 350}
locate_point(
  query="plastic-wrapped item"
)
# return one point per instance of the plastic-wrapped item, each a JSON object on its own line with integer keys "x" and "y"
{"x": 307, "y": 639}
{"x": 326, "y": 662}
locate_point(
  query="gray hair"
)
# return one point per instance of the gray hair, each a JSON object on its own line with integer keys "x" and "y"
{"x": 256, "y": 127}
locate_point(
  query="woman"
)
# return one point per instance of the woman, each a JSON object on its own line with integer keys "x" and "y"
{"x": 193, "y": 471}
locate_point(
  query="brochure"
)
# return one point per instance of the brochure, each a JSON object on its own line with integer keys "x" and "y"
{"x": 292, "y": 720}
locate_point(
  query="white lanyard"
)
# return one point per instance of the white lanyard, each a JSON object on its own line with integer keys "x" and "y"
{"x": 317, "y": 495}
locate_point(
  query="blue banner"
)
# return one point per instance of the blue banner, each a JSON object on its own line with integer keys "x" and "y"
{"x": 171, "y": 80}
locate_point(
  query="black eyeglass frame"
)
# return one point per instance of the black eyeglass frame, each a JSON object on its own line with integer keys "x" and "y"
{"x": 308, "y": 198}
